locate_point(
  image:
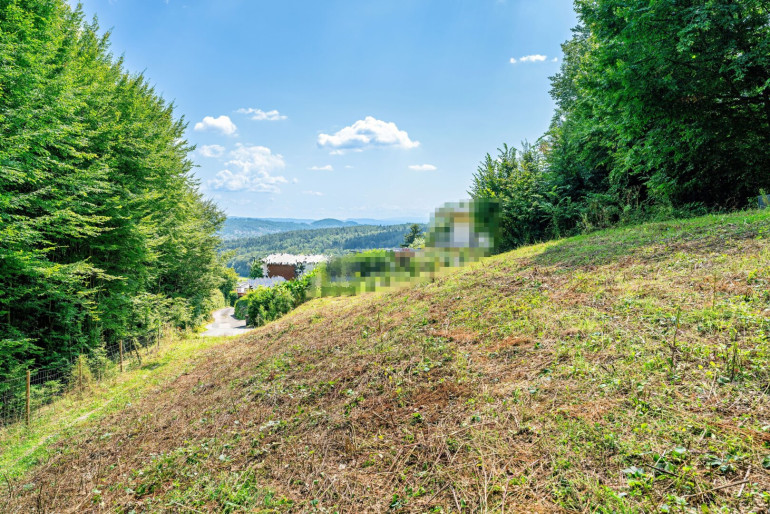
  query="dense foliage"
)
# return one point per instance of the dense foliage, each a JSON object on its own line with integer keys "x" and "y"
{"x": 334, "y": 241}
{"x": 663, "y": 108}
{"x": 519, "y": 182}
{"x": 266, "y": 304}
{"x": 415, "y": 233}
{"x": 103, "y": 234}
{"x": 230, "y": 280}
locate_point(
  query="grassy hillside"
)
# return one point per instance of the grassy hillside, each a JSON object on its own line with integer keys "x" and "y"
{"x": 332, "y": 240}
{"x": 625, "y": 371}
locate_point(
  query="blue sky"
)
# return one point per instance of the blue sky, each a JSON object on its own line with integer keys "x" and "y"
{"x": 342, "y": 108}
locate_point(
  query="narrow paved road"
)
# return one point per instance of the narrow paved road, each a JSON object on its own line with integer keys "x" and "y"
{"x": 225, "y": 324}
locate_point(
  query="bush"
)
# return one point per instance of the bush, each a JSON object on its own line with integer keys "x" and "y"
{"x": 258, "y": 303}
{"x": 266, "y": 304}
{"x": 269, "y": 303}
{"x": 242, "y": 306}
{"x": 80, "y": 374}
{"x": 45, "y": 393}
{"x": 100, "y": 364}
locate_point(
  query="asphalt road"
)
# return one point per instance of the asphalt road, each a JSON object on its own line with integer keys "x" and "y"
{"x": 225, "y": 324}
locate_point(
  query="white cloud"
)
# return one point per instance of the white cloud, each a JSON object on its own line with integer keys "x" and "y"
{"x": 529, "y": 58}
{"x": 328, "y": 167}
{"x": 555, "y": 59}
{"x": 253, "y": 164}
{"x": 314, "y": 193}
{"x": 211, "y": 150}
{"x": 348, "y": 166}
{"x": 230, "y": 181}
{"x": 260, "y": 115}
{"x": 367, "y": 133}
{"x": 423, "y": 167}
{"x": 223, "y": 124}
{"x": 255, "y": 158}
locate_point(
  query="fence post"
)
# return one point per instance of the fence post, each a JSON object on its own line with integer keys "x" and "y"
{"x": 121, "y": 356}
{"x": 28, "y": 389}
{"x": 80, "y": 372}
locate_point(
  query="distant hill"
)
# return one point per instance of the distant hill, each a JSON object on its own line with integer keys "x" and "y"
{"x": 332, "y": 241}
{"x": 359, "y": 221}
{"x": 331, "y": 222}
{"x": 388, "y": 221}
{"x": 304, "y": 221}
{"x": 238, "y": 227}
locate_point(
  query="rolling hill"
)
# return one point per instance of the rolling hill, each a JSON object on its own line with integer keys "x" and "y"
{"x": 623, "y": 371}
{"x": 330, "y": 241}
{"x": 238, "y": 227}
{"x": 332, "y": 223}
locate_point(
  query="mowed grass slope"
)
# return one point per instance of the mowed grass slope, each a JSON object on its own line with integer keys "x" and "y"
{"x": 624, "y": 371}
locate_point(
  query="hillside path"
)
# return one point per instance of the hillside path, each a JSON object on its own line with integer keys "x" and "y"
{"x": 226, "y": 324}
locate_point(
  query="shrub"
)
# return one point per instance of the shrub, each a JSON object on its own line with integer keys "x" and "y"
{"x": 99, "y": 363}
{"x": 80, "y": 374}
{"x": 242, "y": 306}
{"x": 266, "y": 304}
{"x": 258, "y": 303}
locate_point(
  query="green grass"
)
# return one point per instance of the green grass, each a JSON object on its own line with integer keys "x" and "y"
{"x": 23, "y": 447}
{"x": 621, "y": 371}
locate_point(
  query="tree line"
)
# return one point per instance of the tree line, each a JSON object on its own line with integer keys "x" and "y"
{"x": 104, "y": 235}
{"x": 240, "y": 228}
{"x": 330, "y": 241}
{"x": 662, "y": 110}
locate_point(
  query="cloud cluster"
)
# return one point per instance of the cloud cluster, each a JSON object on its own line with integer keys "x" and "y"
{"x": 423, "y": 167}
{"x": 222, "y": 124}
{"x": 260, "y": 115}
{"x": 532, "y": 58}
{"x": 255, "y": 168}
{"x": 253, "y": 165}
{"x": 367, "y": 133}
{"x": 211, "y": 151}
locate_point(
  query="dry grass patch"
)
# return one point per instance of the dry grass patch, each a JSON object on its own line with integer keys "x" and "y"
{"x": 603, "y": 373}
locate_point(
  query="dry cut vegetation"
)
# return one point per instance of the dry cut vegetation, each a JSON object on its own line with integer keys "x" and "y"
{"x": 625, "y": 371}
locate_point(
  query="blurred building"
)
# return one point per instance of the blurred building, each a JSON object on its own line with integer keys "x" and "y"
{"x": 290, "y": 266}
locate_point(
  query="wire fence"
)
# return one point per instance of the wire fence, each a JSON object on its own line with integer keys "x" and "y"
{"x": 22, "y": 397}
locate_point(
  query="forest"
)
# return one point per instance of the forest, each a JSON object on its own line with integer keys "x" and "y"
{"x": 662, "y": 111}
{"x": 104, "y": 235}
{"x": 331, "y": 241}
{"x": 237, "y": 227}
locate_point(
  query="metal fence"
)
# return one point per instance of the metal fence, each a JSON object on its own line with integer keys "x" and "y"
{"x": 23, "y": 396}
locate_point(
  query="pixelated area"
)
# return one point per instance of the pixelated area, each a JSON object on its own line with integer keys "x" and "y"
{"x": 459, "y": 233}
{"x": 764, "y": 201}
